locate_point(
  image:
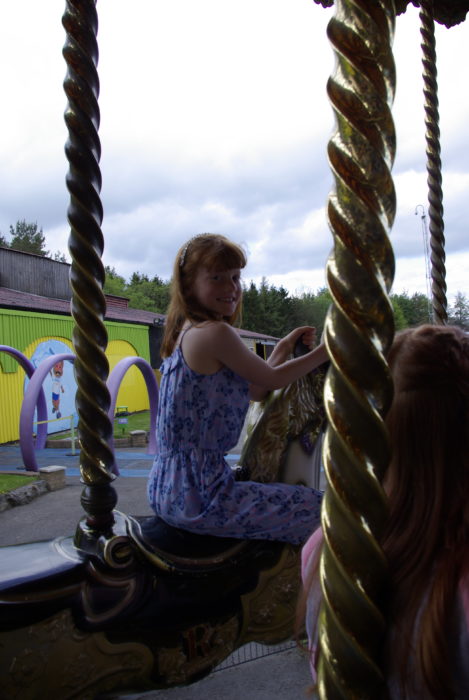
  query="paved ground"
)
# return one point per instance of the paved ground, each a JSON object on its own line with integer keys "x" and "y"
{"x": 283, "y": 675}
{"x": 57, "y": 512}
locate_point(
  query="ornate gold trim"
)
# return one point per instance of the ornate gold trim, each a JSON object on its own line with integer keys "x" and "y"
{"x": 54, "y": 659}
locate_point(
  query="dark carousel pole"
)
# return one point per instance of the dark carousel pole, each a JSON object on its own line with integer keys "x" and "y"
{"x": 85, "y": 214}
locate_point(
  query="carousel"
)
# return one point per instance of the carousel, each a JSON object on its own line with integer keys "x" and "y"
{"x": 130, "y": 604}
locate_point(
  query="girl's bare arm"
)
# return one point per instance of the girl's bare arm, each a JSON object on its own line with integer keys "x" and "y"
{"x": 216, "y": 344}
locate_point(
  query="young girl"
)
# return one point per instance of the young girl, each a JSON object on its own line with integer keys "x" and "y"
{"x": 427, "y": 537}
{"x": 208, "y": 378}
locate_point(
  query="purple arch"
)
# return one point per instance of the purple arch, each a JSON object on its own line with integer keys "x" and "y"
{"x": 33, "y": 391}
{"x": 113, "y": 384}
{"x": 29, "y": 368}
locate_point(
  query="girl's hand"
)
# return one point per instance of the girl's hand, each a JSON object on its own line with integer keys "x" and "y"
{"x": 304, "y": 334}
{"x": 308, "y": 338}
{"x": 285, "y": 347}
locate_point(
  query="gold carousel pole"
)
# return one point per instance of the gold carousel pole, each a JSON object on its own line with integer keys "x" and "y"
{"x": 359, "y": 331}
{"x": 86, "y": 243}
{"x": 434, "y": 179}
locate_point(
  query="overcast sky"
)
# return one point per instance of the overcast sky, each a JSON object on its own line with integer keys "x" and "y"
{"x": 214, "y": 117}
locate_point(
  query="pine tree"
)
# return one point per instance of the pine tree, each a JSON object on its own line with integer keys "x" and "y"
{"x": 459, "y": 312}
{"x": 28, "y": 238}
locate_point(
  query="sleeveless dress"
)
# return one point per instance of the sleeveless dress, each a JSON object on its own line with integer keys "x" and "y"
{"x": 191, "y": 485}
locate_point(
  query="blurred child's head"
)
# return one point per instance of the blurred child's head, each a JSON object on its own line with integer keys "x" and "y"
{"x": 428, "y": 478}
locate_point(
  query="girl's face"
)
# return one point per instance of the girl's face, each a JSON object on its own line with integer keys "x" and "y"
{"x": 218, "y": 291}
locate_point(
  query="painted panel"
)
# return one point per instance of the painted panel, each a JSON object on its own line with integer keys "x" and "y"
{"x": 132, "y": 392}
{"x": 11, "y": 396}
{"x": 59, "y": 386}
{"x": 24, "y": 331}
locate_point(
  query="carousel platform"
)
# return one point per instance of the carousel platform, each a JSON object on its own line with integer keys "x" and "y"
{"x": 253, "y": 671}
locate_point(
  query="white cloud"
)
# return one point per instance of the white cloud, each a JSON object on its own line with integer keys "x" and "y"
{"x": 214, "y": 117}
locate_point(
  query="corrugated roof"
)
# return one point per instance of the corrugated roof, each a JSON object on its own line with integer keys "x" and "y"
{"x": 24, "y": 301}
{"x": 11, "y": 298}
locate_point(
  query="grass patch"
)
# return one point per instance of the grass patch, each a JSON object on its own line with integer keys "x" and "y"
{"x": 135, "y": 421}
{"x": 9, "y": 482}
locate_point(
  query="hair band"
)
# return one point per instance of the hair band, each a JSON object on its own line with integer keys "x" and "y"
{"x": 182, "y": 258}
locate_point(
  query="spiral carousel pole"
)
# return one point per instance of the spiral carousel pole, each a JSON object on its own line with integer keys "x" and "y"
{"x": 434, "y": 178}
{"x": 85, "y": 216}
{"x": 359, "y": 331}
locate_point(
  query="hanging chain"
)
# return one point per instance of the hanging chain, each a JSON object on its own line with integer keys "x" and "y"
{"x": 434, "y": 178}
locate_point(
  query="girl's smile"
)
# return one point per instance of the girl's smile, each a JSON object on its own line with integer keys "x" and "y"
{"x": 218, "y": 291}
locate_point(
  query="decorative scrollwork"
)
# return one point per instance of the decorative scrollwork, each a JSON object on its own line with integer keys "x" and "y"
{"x": 447, "y": 12}
{"x": 87, "y": 272}
{"x": 434, "y": 179}
{"x": 359, "y": 331}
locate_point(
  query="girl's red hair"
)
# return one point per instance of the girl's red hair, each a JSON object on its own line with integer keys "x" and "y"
{"x": 427, "y": 482}
{"x": 213, "y": 252}
{"x": 426, "y": 541}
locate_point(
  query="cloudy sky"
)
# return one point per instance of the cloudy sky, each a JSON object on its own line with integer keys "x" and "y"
{"x": 214, "y": 117}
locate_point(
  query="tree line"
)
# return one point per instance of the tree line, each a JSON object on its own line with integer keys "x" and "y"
{"x": 266, "y": 308}
{"x": 273, "y": 311}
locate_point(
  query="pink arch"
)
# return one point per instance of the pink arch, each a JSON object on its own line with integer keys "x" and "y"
{"x": 113, "y": 384}
{"x": 31, "y": 397}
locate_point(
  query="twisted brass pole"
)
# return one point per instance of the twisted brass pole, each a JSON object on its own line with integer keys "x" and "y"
{"x": 359, "y": 331}
{"x": 434, "y": 177}
{"x": 85, "y": 215}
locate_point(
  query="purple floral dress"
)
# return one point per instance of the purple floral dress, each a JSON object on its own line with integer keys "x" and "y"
{"x": 191, "y": 485}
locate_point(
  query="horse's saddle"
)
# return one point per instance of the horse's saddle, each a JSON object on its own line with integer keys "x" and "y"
{"x": 174, "y": 573}
{"x": 182, "y": 551}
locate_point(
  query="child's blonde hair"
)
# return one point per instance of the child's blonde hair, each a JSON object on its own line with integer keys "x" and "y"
{"x": 207, "y": 250}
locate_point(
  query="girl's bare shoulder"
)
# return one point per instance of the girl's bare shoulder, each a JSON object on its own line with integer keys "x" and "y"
{"x": 204, "y": 346}
{"x": 215, "y": 330}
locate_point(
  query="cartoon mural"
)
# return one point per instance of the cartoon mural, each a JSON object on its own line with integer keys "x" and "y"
{"x": 59, "y": 385}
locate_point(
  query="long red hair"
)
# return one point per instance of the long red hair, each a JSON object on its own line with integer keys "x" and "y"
{"x": 427, "y": 537}
{"x": 426, "y": 540}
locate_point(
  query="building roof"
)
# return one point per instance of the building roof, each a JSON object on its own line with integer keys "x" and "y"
{"x": 14, "y": 299}
{"x": 116, "y": 310}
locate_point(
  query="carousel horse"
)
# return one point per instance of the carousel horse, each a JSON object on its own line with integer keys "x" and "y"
{"x": 162, "y": 606}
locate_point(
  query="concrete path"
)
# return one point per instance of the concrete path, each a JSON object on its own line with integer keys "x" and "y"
{"x": 57, "y": 513}
{"x": 281, "y": 676}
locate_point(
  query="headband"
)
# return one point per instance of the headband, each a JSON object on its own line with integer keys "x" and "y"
{"x": 182, "y": 257}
